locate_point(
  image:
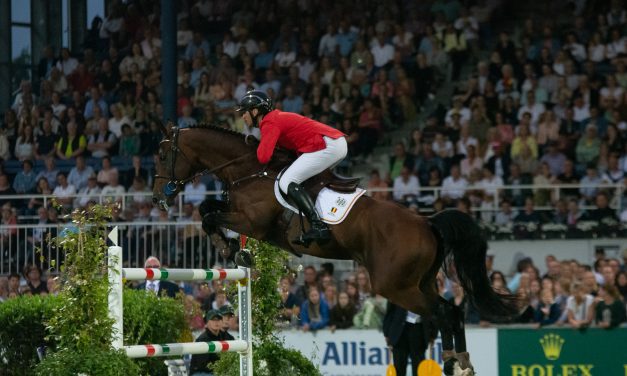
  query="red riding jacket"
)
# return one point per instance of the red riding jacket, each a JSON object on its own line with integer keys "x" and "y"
{"x": 293, "y": 132}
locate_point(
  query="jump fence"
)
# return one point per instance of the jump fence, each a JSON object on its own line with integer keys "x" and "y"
{"x": 116, "y": 275}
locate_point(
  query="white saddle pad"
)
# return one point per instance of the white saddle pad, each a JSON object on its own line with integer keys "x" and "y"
{"x": 332, "y": 206}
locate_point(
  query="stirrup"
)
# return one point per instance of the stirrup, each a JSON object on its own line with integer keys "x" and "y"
{"x": 319, "y": 235}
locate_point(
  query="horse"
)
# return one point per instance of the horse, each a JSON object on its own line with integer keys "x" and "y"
{"x": 401, "y": 250}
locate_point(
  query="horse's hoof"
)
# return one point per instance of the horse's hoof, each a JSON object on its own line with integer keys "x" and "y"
{"x": 244, "y": 259}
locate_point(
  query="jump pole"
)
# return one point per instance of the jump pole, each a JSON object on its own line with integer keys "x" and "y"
{"x": 243, "y": 346}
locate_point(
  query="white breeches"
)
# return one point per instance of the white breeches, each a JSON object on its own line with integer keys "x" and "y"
{"x": 310, "y": 164}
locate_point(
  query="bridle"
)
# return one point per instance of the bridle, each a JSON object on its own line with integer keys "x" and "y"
{"x": 173, "y": 185}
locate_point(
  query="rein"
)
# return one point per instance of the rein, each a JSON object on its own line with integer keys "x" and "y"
{"x": 174, "y": 184}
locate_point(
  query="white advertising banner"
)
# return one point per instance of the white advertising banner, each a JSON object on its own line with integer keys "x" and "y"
{"x": 364, "y": 352}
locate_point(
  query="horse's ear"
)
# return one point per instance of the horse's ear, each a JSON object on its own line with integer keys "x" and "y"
{"x": 167, "y": 129}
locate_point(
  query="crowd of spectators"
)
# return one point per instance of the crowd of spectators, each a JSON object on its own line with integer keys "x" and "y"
{"x": 544, "y": 104}
{"x": 570, "y": 293}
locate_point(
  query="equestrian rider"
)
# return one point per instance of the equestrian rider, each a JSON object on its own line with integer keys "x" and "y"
{"x": 319, "y": 147}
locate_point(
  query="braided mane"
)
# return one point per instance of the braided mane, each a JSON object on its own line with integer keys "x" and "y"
{"x": 280, "y": 155}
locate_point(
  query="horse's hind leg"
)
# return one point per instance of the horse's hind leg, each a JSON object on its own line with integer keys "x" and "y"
{"x": 450, "y": 320}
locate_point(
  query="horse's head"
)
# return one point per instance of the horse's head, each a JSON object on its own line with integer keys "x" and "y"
{"x": 172, "y": 170}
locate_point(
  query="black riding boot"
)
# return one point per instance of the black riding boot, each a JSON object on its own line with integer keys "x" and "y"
{"x": 319, "y": 232}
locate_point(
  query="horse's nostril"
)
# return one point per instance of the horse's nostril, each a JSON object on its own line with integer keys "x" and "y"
{"x": 155, "y": 200}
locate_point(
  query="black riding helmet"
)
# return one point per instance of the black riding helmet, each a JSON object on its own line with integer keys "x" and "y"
{"x": 255, "y": 99}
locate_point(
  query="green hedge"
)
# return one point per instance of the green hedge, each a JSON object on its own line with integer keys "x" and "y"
{"x": 22, "y": 330}
{"x": 147, "y": 319}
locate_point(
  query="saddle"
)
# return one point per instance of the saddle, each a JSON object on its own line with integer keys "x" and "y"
{"x": 338, "y": 183}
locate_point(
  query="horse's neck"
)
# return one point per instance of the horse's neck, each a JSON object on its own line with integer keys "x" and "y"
{"x": 214, "y": 149}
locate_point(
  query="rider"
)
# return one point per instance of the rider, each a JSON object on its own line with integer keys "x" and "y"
{"x": 319, "y": 146}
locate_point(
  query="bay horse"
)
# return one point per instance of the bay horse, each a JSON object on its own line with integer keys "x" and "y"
{"x": 401, "y": 250}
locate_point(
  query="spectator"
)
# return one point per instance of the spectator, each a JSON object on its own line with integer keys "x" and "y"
{"x": 117, "y": 119}
{"x": 37, "y": 286}
{"x": 310, "y": 282}
{"x": 610, "y": 310}
{"x": 195, "y": 192}
{"x": 95, "y": 100}
{"x": 202, "y": 364}
{"x": 114, "y": 191}
{"x": 602, "y": 212}
{"x": 375, "y": 184}
{"x": 25, "y": 144}
{"x": 454, "y": 186}
{"x": 471, "y": 162}
{"x": 548, "y": 311}
{"x": 455, "y": 46}
{"x": 80, "y": 173}
{"x": 42, "y": 188}
{"x": 406, "y": 187}
{"x": 314, "y": 312}
{"x": 382, "y": 51}
{"x": 342, "y": 314}
{"x": 399, "y": 160}
{"x": 158, "y": 287}
{"x": 101, "y": 143}
{"x": 554, "y": 158}
{"x": 292, "y": 102}
{"x": 370, "y": 315}
{"x": 198, "y": 43}
{"x": 66, "y": 64}
{"x": 186, "y": 120}
{"x": 25, "y": 180}
{"x": 580, "y": 307}
{"x": 107, "y": 172}
{"x": 89, "y": 193}
{"x": 129, "y": 142}
{"x": 289, "y": 304}
{"x": 72, "y": 144}
{"x": 588, "y": 147}
{"x": 529, "y": 214}
{"x": 64, "y": 192}
{"x": 505, "y": 216}
{"x": 45, "y": 141}
{"x": 589, "y": 183}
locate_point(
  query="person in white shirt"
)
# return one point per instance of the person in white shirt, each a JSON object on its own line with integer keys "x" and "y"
{"x": 535, "y": 109}
{"x": 458, "y": 108}
{"x": 195, "y": 192}
{"x": 382, "y": 52}
{"x": 454, "y": 186}
{"x": 89, "y": 193}
{"x": 579, "y": 306}
{"x": 113, "y": 191}
{"x": 406, "y": 188}
{"x": 64, "y": 192}
{"x": 67, "y": 64}
{"x": 328, "y": 42}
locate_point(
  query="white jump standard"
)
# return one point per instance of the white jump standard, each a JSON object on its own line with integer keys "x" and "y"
{"x": 116, "y": 275}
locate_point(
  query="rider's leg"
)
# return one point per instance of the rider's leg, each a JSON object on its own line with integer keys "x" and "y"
{"x": 306, "y": 166}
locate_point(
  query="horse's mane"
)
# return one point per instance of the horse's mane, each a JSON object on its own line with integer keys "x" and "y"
{"x": 280, "y": 155}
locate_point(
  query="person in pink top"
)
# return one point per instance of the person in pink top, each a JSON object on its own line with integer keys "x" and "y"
{"x": 319, "y": 147}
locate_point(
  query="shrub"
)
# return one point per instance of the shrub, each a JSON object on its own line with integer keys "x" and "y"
{"x": 147, "y": 319}
{"x": 22, "y": 331}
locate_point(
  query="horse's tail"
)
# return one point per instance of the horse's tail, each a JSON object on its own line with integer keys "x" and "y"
{"x": 461, "y": 239}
